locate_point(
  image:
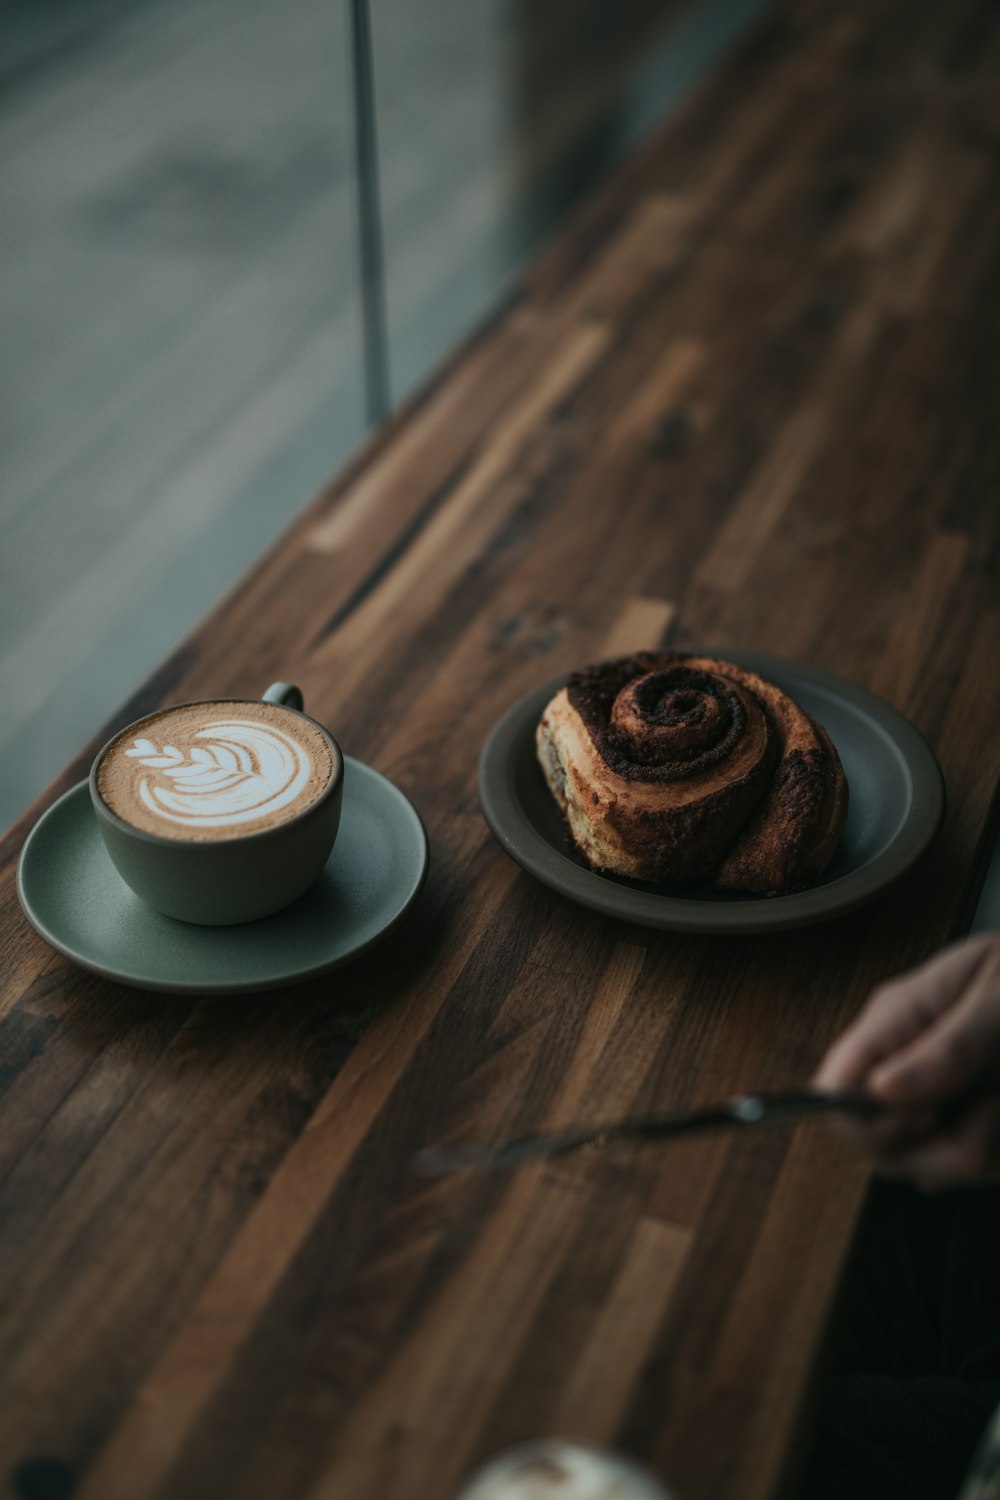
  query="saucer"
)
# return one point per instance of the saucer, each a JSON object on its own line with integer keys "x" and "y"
{"x": 896, "y": 807}
{"x": 75, "y": 899}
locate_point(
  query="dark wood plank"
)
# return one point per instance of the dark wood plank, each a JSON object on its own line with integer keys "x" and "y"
{"x": 745, "y": 401}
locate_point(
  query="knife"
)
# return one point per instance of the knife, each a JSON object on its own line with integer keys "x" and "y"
{"x": 741, "y": 1110}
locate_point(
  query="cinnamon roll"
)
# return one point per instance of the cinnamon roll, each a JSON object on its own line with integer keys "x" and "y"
{"x": 674, "y": 768}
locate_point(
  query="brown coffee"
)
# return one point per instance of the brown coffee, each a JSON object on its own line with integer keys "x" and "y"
{"x": 216, "y": 770}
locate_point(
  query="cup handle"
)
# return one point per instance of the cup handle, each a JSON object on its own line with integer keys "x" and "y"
{"x": 284, "y": 693}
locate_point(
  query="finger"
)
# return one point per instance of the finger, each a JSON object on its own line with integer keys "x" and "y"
{"x": 954, "y": 1052}
{"x": 950, "y": 965}
{"x": 895, "y": 1014}
{"x": 898, "y": 1012}
{"x": 969, "y": 1153}
{"x": 882, "y": 1028}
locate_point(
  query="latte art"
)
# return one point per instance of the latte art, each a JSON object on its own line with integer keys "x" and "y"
{"x": 245, "y": 771}
{"x": 216, "y": 770}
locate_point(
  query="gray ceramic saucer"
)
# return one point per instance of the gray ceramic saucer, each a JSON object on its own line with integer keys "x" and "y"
{"x": 73, "y": 896}
{"x": 896, "y": 806}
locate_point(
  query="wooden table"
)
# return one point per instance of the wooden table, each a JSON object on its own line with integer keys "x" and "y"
{"x": 747, "y": 400}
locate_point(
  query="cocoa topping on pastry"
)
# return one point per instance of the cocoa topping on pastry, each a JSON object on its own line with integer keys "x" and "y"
{"x": 678, "y": 768}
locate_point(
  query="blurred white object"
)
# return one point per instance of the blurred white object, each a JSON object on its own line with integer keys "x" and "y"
{"x": 983, "y": 1482}
{"x": 553, "y": 1470}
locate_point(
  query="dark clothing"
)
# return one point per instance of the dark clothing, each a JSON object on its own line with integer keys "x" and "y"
{"x": 916, "y": 1374}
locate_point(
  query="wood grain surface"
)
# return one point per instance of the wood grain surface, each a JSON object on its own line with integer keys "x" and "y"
{"x": 747, "y": 400}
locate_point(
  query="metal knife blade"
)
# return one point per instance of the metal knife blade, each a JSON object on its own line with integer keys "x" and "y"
{"x": 741, "y": 1110}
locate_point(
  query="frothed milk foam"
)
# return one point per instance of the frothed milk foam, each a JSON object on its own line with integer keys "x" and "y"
{"x": 215, "y": 770}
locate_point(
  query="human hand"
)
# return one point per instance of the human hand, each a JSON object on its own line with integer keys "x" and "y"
{"x": 922, "y": 1043}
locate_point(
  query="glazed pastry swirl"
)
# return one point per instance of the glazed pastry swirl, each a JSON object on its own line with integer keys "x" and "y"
{"x": 680, "y": 768}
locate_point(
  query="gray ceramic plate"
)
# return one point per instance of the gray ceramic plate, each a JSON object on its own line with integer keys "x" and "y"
{"x": 896, "y": 806}
{"x": 73, "y": 896}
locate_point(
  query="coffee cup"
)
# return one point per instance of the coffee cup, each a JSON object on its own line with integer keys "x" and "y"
{"x": 220, "y": 811}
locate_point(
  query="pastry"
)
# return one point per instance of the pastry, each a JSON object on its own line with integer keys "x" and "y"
{"x": 674, "y": 768}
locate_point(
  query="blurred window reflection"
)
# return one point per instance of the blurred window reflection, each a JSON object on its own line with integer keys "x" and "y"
{"x": 182, "y": 332}
{"x": 181, "y": 342}
{"x": 493, "y": 117}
